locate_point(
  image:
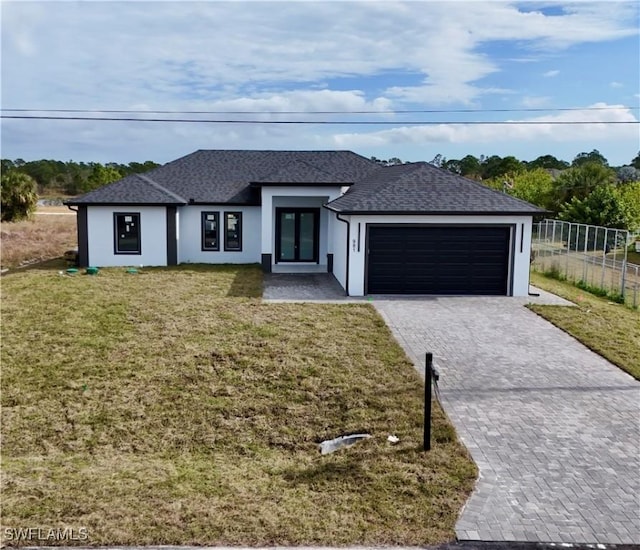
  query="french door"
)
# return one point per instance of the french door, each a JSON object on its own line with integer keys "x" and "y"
{"x": 297, "y": 234}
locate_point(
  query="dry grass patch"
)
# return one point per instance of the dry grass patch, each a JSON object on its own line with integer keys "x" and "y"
{"x": 607, "y": 328}
{"x": 46, "y": 236}
{"x": 174, "y": 407}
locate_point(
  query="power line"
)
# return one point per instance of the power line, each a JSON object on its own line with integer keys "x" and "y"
{"x": 326, "y": 122}
{"x": 362, "y": 112}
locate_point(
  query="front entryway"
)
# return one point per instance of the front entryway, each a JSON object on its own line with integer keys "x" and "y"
{"x": 297, "y": 234}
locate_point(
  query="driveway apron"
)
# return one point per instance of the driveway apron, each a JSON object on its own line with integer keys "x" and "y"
{"x": 553, "y": 427}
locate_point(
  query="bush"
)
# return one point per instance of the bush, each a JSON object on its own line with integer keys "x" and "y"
{"x": 19, "y": 196}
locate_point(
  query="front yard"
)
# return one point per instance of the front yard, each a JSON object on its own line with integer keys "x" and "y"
{"x": 610, "y": 329}
{"x": 173, "y": 407}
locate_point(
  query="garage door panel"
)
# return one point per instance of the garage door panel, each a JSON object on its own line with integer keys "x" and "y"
{"x": 438, "y": 260}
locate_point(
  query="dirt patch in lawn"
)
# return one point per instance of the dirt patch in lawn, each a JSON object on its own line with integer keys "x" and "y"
{"x": 172, "y": 406}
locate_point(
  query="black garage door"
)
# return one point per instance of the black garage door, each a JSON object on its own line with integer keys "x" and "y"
{"x": 438, "y": 260}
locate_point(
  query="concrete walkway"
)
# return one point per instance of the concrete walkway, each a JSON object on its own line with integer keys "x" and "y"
{"x": 553, "y": 427}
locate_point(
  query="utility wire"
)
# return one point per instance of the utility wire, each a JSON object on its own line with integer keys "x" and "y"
{"x": 363, "y": 112}
{"x": 326, "y": 122}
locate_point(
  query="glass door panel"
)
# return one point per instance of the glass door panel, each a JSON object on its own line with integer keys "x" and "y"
{"x": 287, "y": 236}
{"x": 297, "y": 234}
{"x": 307, "y": 234}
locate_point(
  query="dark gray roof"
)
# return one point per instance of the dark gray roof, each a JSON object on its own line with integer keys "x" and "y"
{"x": 134, "y": 189}
{"x": 226, "y": 176}
{"x": 421, "y": 188}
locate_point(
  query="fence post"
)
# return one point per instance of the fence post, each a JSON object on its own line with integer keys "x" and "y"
{"x": 428, "y": 375}
{"x": 604, "y": 255}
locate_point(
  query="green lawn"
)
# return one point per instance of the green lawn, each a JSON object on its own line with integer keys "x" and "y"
{"x": 610, "y": 329}
{"x": 174, "y": 407}
{"x": 633, "y": 257}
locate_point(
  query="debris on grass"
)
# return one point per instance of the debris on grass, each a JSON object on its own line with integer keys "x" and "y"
{"x": 331, "y": 445}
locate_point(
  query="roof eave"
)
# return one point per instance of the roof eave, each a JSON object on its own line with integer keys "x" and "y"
{"x": 121, "y": 203}
{"x": 298, "y": 183}
{"x": 434, "y": 212}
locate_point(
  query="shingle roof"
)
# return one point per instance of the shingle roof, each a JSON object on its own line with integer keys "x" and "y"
{"x": 225, "y": 176}
{"x": 421, "y": 188}
{"x": 134, "y": 189}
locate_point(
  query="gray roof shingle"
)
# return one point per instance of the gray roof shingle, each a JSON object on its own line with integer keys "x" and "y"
{"x": 421, "y": 188}
{"x": 135, "y": 189}
{"x": 225, "y": 177}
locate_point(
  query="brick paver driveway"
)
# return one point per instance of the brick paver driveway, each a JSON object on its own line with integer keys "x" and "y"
{"x": 553, "y": 427}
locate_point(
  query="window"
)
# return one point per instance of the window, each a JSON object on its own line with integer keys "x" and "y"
{"x": 210, "y": 234}
{"x": 233, "y": 231}
{"x": 127, "y": 233}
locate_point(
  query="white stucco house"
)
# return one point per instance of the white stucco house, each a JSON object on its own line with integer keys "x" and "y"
{"x": 405, "y": 229}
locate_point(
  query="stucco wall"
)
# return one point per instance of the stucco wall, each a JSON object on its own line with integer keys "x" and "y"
{"x": 190, "y": 236}
{"x": 338, "y": 247}
{"x": 283, "y": 196}
{"x": 101, "y": 235}
{"x": 518, "y": 262}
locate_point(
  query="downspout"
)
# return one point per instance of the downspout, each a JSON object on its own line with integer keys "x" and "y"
{"x": 348, "y": 234}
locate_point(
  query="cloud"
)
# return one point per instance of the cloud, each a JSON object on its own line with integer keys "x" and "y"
{"x": 593, "y": 128}
{"x": 616, "y": 84}
{"x": 551, "y": 74}
{"x": 534, "y": 102}
{"x": 191, "y": 52}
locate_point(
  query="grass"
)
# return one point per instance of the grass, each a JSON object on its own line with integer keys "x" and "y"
{"x": 174, "y": 407}
{"x": 608, "y": 328}
{"x": 46, "y": 236}
{"x": 633, "y": 257}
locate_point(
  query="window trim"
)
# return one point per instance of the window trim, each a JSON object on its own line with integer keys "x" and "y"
{"x": 116, "y": 238}
{"x": 226, "y": 244}
{"x": 203, "y": 216}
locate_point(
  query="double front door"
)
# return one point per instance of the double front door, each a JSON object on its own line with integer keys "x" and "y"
{"x": 297, "y": 234}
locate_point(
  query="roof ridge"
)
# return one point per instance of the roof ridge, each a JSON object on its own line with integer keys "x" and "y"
{"x": 160, "y": 187}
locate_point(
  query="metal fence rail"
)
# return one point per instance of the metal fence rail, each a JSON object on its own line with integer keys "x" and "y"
{"x": 593, "y": 255}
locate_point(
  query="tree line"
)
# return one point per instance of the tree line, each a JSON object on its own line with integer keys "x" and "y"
{"x": 72, "y": 178}
{"x": 585, "y": 190}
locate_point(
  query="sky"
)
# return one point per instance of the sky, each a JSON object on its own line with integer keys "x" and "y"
{"x": 455, "y": 65}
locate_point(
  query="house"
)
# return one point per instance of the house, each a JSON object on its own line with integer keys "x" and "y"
{"x": 404, "y": 229}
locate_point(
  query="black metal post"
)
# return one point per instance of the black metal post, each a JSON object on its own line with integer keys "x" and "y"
{"x": 428, "y": 374}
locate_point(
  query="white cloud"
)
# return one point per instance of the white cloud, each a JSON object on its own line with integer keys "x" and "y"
{"x": 287, "y": 56}
{"x": 592, "y": 128}
{"x": 616, "y": 84}
{"x": 534, "y": 102}
{"x": 164, "y": 52}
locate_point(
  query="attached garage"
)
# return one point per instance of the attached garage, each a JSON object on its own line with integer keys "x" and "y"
{"x": 458, "y": 260}
{"x": 417, "y": 229}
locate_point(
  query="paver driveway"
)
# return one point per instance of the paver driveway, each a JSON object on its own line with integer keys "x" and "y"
{"x": 553, "y": 427}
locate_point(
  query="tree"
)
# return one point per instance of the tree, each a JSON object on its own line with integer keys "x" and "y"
{"x": 549, "y": 162}
{"x": 628, "y": 174}
{"x": 101, "y": 175}
{"x": 470, "y": 167}
{"x": 19, "y": 196}
{"x": 592, "y": 157}
{"x": 636, "y": 161}
{"x": 630, "y": 194}
{"x": 581, "y": 180}
{"x": 603, "y": 206}
{"x": 534, "y": 186}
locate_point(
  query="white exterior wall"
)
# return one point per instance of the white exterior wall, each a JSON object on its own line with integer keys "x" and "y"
{"x": 282, "y": 196}
{"x": 338, "y": 247}
{"x": 190, "y": 235}
{"x": 101, "y": 236}
{"x": 518, "y": 262}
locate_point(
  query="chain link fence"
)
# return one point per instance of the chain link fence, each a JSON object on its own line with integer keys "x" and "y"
{"x": 590, "y": 255}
